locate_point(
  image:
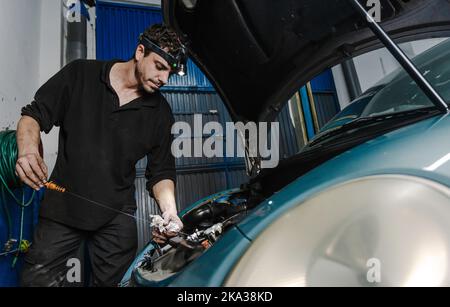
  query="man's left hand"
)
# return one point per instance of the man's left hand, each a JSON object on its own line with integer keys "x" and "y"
{"x": 169, "y": 217}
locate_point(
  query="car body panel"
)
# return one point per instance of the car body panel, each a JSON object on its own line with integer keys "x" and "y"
{"x": 214, "y": 265}
{"x": 397, "y": 152}
{"x": 380, "y": 156}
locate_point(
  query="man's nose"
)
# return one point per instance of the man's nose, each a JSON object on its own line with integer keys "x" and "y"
{"x": 164, "y": 78}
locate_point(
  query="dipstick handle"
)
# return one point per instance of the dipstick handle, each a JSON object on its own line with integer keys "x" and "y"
{"x": 54, "y": 187}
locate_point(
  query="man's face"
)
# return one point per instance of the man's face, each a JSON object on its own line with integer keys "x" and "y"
{"x": 152, "y": 71}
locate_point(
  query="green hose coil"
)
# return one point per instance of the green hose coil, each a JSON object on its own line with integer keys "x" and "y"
{"x": 9, "y": 181}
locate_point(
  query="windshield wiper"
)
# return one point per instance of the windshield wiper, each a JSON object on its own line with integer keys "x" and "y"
{"x": 365, "y": 122}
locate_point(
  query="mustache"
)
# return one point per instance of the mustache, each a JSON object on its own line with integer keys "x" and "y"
{"x": 157, "y": 83}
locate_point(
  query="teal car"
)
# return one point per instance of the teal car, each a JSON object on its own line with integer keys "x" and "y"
{"x": 365, "y": 203}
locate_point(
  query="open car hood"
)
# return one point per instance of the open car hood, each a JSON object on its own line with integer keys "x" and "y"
{"x": 258, "y": 53}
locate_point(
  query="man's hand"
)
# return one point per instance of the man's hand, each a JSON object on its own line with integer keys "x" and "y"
{"x": 30, "y": 166}
{"x": 172, "y": 217}
{"x": 164, "y": 192}
{"x": 169, "y": 217}
{"x": 31, "y": 169}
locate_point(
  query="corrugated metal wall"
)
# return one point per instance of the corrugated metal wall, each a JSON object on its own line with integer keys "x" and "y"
{"x": 325, "y": 97}
{"x": 118, "y": 27}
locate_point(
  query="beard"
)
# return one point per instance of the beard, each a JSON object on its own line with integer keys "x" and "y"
{"x": 142, "y": 86}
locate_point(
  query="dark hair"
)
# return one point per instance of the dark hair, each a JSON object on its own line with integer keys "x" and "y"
{"x": 164, "y": 37}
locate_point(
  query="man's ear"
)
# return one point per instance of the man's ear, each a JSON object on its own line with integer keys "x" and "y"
{"x": 140, "y": 52}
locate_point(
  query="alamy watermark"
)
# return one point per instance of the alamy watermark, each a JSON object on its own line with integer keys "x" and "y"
{"x": 73, "y": 13}
{"x": 374, "y": 272}
{"x": 75, "y": 9}
{"x": 262, "y": 140}
{"x": 73, "y": 274}
{"x": 374, "y": 10}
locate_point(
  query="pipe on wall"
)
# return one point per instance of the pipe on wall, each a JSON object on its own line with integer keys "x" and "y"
{"x": 76, "y": 40}
{"x": 351, "y": 79}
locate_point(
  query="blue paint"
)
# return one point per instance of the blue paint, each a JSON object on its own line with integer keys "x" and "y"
{"x": 323, "y": 82}
{"x": 118, "y": 27}
{"x": 307, "y": 114}
{"x": 118, "y": 40}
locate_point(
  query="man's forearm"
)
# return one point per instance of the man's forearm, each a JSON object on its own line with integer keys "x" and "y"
{"x": 28, "y": 136}
{"x": 164, "y": 192}
{"x": 30, "y": 166}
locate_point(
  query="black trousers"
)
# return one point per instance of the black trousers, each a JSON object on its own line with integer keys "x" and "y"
{"x": 56, "y": 254}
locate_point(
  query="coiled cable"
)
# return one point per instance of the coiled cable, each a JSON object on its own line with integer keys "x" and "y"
{"x": 8, "y": 182}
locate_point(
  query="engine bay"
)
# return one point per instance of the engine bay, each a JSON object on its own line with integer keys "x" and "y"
{"x": 204, "y": 225}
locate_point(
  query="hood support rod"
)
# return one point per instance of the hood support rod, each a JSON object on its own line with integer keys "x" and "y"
{"x": 402, "y": 58}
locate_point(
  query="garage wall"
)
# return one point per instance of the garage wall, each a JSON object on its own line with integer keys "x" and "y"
{"x": 49, "y": 64}
{"x": 30, "y": 54}
{"x": 19, "y": 64}
{"x": 373, "y": 66}
{"x": 341, "y": 86}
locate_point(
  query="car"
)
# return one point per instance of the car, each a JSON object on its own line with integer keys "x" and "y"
{"x": 366, "y": 202}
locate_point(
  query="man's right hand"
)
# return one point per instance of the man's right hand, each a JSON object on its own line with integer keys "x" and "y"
{"x": 30, "y": 166}
{"x": 31, "y": 169}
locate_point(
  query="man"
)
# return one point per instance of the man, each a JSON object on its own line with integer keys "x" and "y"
{"x": 110, "y": 115}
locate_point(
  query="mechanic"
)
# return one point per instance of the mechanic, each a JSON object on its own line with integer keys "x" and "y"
{"x": 111, "y": 115}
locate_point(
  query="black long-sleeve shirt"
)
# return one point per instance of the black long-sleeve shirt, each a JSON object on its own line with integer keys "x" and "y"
{"x": 100, "y": 143}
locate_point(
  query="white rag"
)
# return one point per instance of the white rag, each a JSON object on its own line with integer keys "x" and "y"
{"x": 158, "y": 222}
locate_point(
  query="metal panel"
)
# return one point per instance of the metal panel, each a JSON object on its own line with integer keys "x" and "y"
{"x": 326, "y": 107}
{"x": 194, "y": 79}
{"x": 325, "y": 97}
{"x": 323, "y": 82}
{"x": 319, "y": 102}
{"x": 288, "y": 137}
{"x": 118, "y": 27}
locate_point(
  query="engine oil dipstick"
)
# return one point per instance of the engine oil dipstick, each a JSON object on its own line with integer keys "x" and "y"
{"x": 54, "y": 187}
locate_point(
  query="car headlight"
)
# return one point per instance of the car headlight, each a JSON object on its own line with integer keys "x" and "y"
{"x": 387, "y": 230}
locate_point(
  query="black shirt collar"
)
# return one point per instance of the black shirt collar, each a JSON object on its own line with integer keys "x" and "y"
{"x": 148, "y": 100}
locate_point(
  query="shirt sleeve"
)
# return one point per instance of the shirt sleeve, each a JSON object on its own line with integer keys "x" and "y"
{"x": 51, "y": 100}
{"x": 160, "y": 161}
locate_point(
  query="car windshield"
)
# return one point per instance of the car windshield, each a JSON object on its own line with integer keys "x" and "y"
{"x": 397, "y": 92}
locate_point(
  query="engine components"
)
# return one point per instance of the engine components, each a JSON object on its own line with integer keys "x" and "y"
{"x": 203, "y": 226}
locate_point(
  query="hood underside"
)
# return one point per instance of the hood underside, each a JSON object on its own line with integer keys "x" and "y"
{"x": 258, "y": 53}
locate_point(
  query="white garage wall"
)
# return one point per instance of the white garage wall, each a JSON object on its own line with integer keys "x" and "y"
{"x": 49, "y": 64}
{"x": 373, "y": 66}
{"x": 30, "y": 41}
{"x": 341, "y": 86}
{"x": 19, "y": 57}
{"x": 30, "y": 53}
